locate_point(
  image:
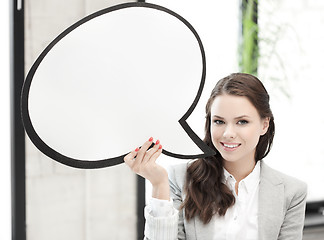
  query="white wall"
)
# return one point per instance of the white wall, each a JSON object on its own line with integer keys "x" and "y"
{"x": 5, "y": 188}
{"x": 291, "y": 65}
{"x": 63, "y": 202}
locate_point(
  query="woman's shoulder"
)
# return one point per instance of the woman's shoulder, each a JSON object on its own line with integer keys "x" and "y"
{"x": 291, "y": 184}
{"x": 177, "y": 173}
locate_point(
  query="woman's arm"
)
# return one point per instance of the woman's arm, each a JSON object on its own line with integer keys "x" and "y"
{"x": 142, "y": 161}
{"x": 176, "y": 176}
{"x": 161, "y": 227}
{"x": 292, "y": 227}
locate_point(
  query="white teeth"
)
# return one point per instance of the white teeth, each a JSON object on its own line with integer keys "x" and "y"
{"x": 231, "y": 146}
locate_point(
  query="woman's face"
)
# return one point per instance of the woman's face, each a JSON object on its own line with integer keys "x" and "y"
{"x": 236, "y": 127}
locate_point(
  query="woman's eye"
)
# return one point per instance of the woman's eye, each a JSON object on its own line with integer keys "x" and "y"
{"x": 242, "y": 122}
{"x": 218, "y": 122}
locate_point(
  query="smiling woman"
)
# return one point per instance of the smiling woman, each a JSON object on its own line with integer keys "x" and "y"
{"x": 245, "y": 116}
{"x": 233, "y": 193}
{"x": 239, "y": 125}
{"x": 237, "y": 132}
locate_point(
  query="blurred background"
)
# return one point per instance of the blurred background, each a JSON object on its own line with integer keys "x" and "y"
{"x": 279, "y": 41}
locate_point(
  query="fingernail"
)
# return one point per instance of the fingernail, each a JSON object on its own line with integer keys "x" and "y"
{"x": 157, "y": 142}
{"x": 151, "y": 139}
{"x": 137, "y": 149}
{"x": 160, "y": 147}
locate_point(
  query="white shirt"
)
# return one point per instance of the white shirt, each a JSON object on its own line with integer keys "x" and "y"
{"x": 240, "y": 221}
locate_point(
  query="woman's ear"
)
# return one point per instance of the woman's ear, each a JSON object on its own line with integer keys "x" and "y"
{"x": 265, "y": 125}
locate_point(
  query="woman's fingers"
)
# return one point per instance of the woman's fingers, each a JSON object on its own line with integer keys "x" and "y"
{"x": 149, "y": 153}
{"x": 156, "y": 154}
{"x": 142, "y": 151}
{"x": 142, "y": 162}
{"x": 129, "y": 158}
{"x": 138, "y": 158}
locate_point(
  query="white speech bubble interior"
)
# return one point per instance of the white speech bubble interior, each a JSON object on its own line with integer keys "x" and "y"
{"x": 116, "y": 80}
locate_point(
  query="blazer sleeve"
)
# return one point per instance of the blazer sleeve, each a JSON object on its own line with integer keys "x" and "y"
{"x": 176, "y": 180}
{"x": 170, "y": 227}
{"x": 293, "y": 224}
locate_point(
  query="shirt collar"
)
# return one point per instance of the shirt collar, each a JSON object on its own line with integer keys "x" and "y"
{"x": 253, "y": 178}
{"x": 250, "y": 181}
{"x": 227, "y": 175}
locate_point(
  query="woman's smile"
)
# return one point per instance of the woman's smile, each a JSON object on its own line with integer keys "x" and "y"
{"x": 230, "y": 146}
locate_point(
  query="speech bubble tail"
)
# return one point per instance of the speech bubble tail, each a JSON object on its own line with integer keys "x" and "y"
{"x": 207, "y": 151}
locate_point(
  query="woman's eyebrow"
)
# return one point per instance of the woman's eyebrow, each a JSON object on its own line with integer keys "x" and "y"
{"x": 242, "y": 116}
{"x": 215, "y": 116}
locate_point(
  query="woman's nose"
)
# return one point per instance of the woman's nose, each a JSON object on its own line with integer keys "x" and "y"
{"x": 229, "y": 132}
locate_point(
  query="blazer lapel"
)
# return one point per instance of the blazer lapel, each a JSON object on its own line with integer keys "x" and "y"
{"x": 271, "y": 203}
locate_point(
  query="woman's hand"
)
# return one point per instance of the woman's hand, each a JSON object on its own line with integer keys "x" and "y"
{"x": 142, "y": 161}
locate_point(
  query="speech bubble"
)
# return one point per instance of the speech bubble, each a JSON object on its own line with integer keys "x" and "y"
{"x": 112, "y": 80}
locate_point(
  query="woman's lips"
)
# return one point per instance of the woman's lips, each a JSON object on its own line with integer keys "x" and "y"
{"x": 230, "y": 146}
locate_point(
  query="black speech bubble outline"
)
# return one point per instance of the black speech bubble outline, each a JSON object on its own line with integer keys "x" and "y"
{"x": 86, "y": 164}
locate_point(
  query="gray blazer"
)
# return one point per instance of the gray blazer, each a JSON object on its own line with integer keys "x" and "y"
{"x": 282, "y": 201}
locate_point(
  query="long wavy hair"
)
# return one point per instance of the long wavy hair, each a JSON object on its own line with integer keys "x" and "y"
{"x": 206, "y": 194}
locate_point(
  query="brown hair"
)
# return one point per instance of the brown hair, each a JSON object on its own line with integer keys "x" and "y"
{"x": 206, "y": 195}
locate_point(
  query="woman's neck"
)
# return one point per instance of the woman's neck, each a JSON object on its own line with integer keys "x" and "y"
{"x": 239, "y": 169}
